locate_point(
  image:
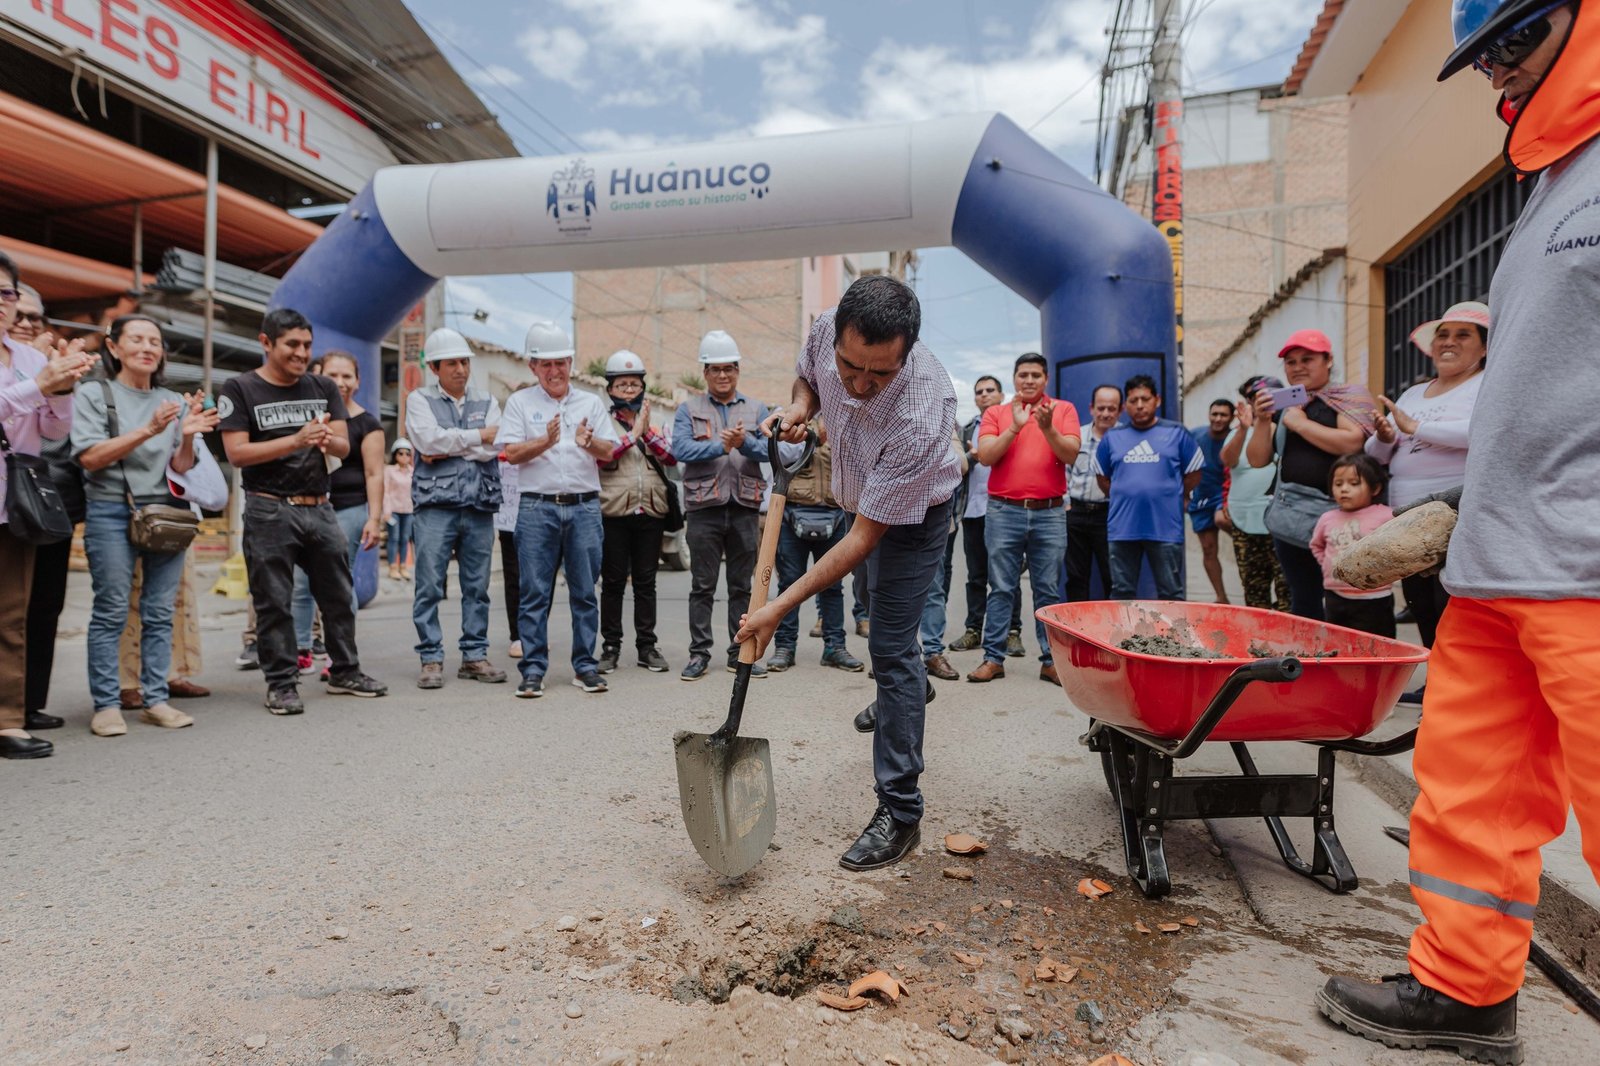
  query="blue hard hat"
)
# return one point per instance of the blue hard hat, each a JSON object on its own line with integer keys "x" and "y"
{"x": 1479, "y": 23}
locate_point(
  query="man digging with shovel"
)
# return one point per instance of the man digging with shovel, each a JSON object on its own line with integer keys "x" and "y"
{"x": 889, "y": 406}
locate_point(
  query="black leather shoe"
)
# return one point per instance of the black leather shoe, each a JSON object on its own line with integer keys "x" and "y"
{"x": 867, "y": 720}
{"x": 885, "y": 841}
{"x": 25, "y": 748}
{"x": 1402, "y": 1012}
{"x": 39, "y": 720}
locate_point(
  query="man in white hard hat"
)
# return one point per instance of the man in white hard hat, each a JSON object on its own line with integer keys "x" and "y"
{"x": 455, "y": 490}
{"x": 636, "y": 499}
{"x": 556, "y": 436}
{"x": 718, "y": 438}
{"x": 890, "y": 409}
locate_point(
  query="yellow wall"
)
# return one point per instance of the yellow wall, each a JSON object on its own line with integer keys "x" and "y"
{"x": 1416, "y": 148}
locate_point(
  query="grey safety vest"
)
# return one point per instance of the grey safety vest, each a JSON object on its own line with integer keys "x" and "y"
{"x": 457, "y": 481}
{"x": 730, "y": 478}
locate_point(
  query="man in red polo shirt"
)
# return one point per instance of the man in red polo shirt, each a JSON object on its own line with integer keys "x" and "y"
{"x": 1028, "y": 445}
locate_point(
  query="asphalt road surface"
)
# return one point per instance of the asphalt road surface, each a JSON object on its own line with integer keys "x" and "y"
{"x": 386, "y": 881}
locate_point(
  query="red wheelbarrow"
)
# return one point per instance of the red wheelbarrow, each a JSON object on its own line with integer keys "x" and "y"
{"x": 1158, "y": 679}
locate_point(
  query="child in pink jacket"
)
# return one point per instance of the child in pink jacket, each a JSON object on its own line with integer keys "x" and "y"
{"x": 1354, "y": 482}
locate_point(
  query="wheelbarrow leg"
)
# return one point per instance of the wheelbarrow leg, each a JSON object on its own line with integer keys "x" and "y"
{"x": 1147, "y": 850}
{"x": 1329, "y": 866}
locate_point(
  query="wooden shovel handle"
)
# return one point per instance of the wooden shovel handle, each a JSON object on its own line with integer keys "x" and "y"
{"x": 766, "y": 556}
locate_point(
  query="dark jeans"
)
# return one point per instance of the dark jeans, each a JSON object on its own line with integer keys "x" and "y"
{"x": 899, "y": 572}
{"x": 1128, "y": 558}
{"x": 977, "y": 554}
{"x": 632, "y": 546}
{"x": 1088, "y": 548}
{"x": 1369, "y": 616}
{"x": 1425, "y": 596}
{"x": 278, "y": 537}
{"x": 1304, "y": 574}
{"x": 510, "y": 579}
{"x": 793, "y": 555}
{"x": 728, "y": 532}
{"x": 45, "y": 601}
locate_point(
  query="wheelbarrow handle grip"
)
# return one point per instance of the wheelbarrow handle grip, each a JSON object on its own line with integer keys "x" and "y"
{"x": 1269, "y": 670}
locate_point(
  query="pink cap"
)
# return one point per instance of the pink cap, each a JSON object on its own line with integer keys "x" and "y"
{"x": 1312, "y": 340}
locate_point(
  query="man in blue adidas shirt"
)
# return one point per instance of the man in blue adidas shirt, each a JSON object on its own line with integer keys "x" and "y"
{"x": 1148, "y": 468}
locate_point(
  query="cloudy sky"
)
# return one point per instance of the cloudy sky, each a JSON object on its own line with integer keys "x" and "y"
{"x": 599, "y": 75}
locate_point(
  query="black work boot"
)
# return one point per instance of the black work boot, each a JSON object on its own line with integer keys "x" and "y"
{"x": 885, "y": 840}
{"x": 1402, "y": 1012}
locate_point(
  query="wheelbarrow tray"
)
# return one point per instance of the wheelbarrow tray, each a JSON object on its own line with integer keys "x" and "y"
{"x": 1254, "y": 676}
{"x": 1349, "y": 686}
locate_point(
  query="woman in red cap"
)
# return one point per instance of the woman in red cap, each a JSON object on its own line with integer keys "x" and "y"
{"x": 1335, "y": 420}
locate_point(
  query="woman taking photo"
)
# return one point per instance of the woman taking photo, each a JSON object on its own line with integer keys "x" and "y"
{"x": 1424, "y": 437}
{"x": 126, "y": 432}
{"x": 1335, "y": 420}
{"x": 355, "y": 489}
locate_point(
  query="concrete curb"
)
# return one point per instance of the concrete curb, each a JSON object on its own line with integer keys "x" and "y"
{"x": 1567, "y": 923}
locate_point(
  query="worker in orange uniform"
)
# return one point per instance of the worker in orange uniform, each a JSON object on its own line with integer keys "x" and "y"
{"x": 1510, "y": 731}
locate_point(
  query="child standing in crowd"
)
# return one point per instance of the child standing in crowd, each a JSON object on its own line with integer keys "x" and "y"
{"x": 1354, "y": 482}
{"x": 397, "y": 508}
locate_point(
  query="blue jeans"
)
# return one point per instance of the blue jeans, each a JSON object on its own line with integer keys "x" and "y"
{"x": 1014, "y": 535}
{"x": 399, "y": 538}
{"x": 933, "y": 612}
{"x": 467, "y": 535}
{"x": 1166, "y": 567}
{"x": 111, "y": 558}
{"x": 793, "y": 555}
{"x": 350, "y": 520}
{"x": 551, "y": 537}
{"x": 899, "y": 572}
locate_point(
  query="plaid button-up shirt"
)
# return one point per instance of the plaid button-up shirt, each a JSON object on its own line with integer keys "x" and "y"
{"x": 892, "y": 458}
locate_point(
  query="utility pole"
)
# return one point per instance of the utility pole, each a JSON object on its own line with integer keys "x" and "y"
{"x": 1166, "y": 179}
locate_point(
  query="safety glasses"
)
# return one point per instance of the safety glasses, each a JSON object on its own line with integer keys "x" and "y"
{"x": 1517, "y": 44}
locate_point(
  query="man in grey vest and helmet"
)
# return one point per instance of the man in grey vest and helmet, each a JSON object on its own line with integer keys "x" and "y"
{"x": 455, "y": 491}
{"x": 717, "y": 437}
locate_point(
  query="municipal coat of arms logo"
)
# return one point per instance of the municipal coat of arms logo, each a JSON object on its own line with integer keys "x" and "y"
{"x": 570, "y": 200}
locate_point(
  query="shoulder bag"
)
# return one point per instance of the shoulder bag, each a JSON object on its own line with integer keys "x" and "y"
{"x": 153, "y": 527}
{"x": 674, "y": 519}
{"x": 1294, "y": 509}
{"x": 35, "y": 510}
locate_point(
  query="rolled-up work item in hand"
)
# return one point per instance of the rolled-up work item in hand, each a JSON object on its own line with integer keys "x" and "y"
{"x": 1411, "y": 543}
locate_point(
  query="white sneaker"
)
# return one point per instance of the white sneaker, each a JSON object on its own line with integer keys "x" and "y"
{"x": 515, "y": 651}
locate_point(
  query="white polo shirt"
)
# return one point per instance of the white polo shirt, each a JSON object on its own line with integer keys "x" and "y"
{"x": 565, "y": 467}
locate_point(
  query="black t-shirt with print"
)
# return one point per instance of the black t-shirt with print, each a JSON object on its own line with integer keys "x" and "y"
{"x": 266, "y": 411}
{"x": 1303, "y": 463}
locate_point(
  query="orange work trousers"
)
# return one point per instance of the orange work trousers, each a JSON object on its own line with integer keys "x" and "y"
{"x": 1510, "y": 739}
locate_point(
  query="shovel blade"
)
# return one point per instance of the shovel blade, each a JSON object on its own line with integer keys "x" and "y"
{"x": 729, "y": 805}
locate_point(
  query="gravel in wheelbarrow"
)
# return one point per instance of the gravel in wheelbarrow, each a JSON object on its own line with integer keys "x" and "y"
{"x": 1158, "y": 679}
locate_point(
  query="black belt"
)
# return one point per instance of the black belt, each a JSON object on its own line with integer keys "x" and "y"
{"x": 566, "y": 499}
{"x": 1029, "y": 505}
{"x": 293, "y": 501}
{"x": 1091, "y": 506}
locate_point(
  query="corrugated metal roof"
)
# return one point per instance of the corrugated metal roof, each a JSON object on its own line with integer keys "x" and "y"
{"x": 381, "y": 60}
{"x": 1313, "y": 45}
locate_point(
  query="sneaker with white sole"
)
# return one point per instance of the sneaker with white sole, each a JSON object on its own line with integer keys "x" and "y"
{"x": 285, "y": 700}
{"x": 248, "y": 658}
{"x": 590, "y": 682}
{"x": 531, "y": 688}
{"x": 356, "y": 684}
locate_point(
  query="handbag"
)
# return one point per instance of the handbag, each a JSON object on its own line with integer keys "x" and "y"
{"x": 152, "y": 527}
{"x": 812, "y": 523}
{"x": 1294, "y": 509}
{"x": 674, "y": 519}
{"x": 35, "y": 510}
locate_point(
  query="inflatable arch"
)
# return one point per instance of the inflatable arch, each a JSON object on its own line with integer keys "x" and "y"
{"x": 1100, "y": 275}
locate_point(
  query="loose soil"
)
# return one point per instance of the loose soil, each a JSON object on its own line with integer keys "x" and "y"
{"x": 1017, "y": 912}
{"x": 1165, "y": 647}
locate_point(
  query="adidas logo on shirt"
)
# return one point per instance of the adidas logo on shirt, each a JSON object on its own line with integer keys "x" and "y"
{"x": 1142, "y": 453}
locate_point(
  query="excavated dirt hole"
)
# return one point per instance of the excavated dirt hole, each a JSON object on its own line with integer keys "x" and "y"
{"x": 1019, "y": 910}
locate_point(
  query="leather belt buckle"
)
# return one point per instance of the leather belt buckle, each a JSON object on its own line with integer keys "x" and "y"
{"x": 1041, "y": 505}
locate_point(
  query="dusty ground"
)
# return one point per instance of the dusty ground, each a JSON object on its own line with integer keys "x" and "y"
{"x": 390, "y": 881}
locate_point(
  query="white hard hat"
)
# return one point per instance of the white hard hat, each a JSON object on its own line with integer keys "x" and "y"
{"x": 400, "y": 445}
{"x": 717, "y": 348}
{"x": 445, "y": 344}
{"x": 546, "y": 340}
{"x": 623, "y": 363}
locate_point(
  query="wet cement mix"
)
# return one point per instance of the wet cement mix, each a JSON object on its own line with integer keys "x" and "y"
{"x": 998, "y": 951}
